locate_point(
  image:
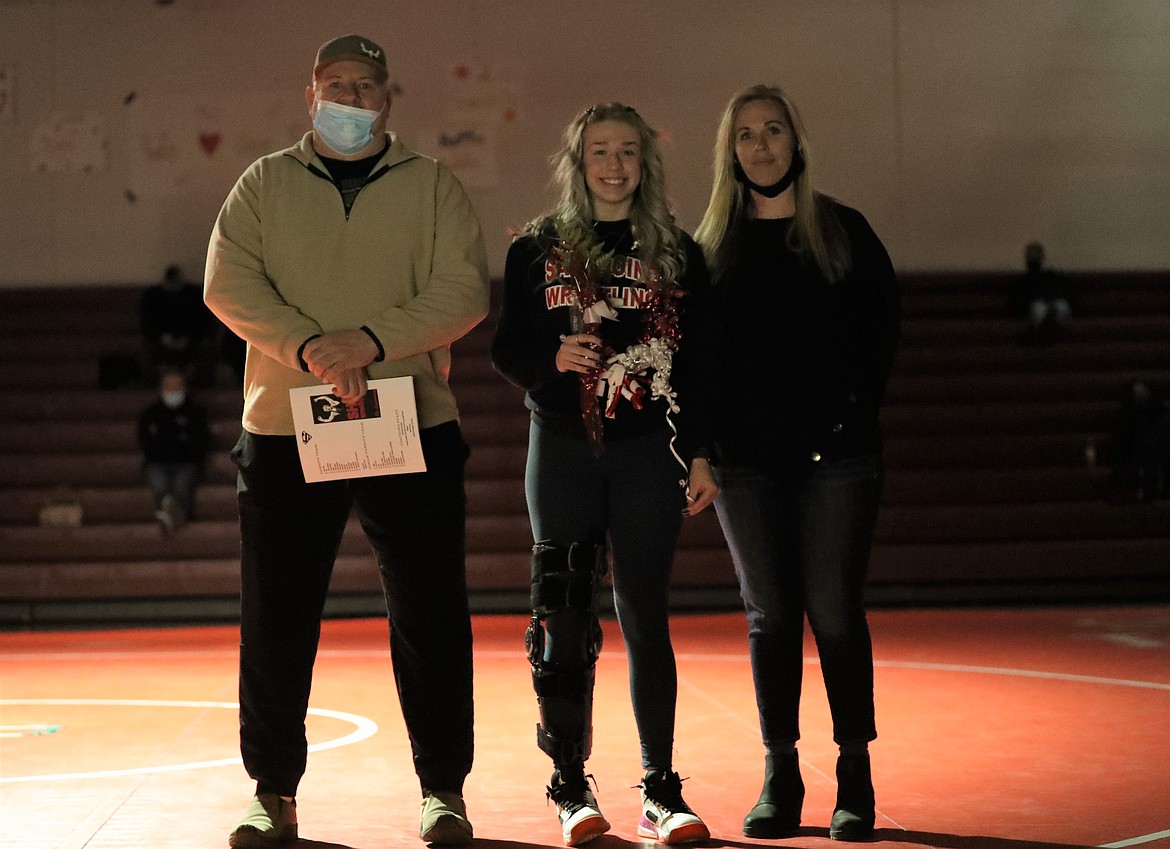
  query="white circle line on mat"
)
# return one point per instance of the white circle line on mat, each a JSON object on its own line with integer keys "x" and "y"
{"x": 364, "y": 728}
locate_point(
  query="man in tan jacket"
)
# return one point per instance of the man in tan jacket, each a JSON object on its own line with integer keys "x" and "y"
{"x": 346, "y": 258}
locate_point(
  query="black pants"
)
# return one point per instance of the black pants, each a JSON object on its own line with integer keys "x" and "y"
{"x": 291, "y": 533}
{"x": 630, "y": 495}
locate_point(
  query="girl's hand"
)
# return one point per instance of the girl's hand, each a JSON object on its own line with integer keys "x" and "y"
{"x": 579, "y": 352}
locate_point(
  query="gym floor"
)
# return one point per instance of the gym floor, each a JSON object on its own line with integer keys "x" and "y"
{"x": 1005, "y": 728}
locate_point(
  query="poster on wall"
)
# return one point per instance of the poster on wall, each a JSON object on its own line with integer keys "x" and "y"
{"x": 181, "y": 151}
{"x": 7, "y": 94}
{"x": 465, "y": 142}
{"x": 67, "y": 143}
{"x": 468, "y": 148}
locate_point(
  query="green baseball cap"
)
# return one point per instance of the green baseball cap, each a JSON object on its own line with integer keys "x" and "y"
{"x": 357, "y": 48}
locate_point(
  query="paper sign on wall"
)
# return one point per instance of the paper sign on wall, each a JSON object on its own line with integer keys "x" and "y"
{"x": 7, "y": 94}
{"x": 67, "y": 143}
{"x": 376, "y": 436}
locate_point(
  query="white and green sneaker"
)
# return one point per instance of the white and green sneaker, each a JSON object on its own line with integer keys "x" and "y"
{"x": 444, "y": 819}
{"x": 269, "y": 821}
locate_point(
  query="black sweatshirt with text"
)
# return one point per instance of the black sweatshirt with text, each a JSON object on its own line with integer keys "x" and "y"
{"x": 536, "y": 311}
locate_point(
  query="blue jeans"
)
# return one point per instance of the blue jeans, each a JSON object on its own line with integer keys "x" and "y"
{"x": 800, "y": 545}
{"x": 177, "y": 480}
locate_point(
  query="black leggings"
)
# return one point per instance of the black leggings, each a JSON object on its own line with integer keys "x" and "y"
{"x": 631, "y": 494}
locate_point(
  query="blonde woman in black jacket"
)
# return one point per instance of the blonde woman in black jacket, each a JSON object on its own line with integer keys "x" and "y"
{"x": 808, "y": 302}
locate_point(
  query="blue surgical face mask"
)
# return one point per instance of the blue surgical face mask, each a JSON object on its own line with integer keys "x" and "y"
{"x": 173, "y": 399}
{"x": 346, "y": 129}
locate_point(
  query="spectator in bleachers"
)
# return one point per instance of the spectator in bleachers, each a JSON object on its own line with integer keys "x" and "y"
{"x": 175, "y": 323}
{"x": 173, "y": 434}
{"x": 1042, "y": 297}
{"x": 1141, "y": 443}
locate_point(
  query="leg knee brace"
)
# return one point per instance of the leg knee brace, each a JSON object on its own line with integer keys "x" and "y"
{"x": 563, "y": 642}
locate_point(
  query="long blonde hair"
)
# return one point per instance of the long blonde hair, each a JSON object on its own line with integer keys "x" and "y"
{"x": 650, "y": 218}
{"x": 816, "y": 234}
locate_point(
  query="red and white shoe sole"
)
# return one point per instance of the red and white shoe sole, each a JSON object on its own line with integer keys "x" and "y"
{"x": 586, "y": 830}
{"x": 689, "y": 833}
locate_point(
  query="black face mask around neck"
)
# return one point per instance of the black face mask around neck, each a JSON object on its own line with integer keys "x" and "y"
{"x": 795, "y": 168}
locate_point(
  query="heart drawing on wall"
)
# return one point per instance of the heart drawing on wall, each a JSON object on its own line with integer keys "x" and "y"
{"x": 209, "y": 142}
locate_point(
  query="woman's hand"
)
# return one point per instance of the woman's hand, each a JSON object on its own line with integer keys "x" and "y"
{"x": 579, "y": 353}
{"x": 701, "y": 487}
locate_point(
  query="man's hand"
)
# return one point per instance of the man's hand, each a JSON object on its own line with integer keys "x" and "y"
{"x": 350, "y": 385}
{"x": 329, "y": 356}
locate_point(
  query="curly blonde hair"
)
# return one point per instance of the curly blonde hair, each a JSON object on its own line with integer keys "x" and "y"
{"x": 659, "y": 245}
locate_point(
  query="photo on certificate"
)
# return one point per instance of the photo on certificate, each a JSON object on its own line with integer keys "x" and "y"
{"x": 377, "y": 435}
{"x": 328, "y": 408}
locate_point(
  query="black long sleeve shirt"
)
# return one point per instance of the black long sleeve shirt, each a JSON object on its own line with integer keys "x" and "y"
{"x": 804, "y": 363}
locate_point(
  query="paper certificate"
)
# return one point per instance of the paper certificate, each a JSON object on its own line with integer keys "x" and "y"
{"x": 376, "y": 436}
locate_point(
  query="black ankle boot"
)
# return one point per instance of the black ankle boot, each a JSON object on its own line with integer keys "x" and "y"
{"x": 854, "y": 816}
{"x": 777, "y": 813}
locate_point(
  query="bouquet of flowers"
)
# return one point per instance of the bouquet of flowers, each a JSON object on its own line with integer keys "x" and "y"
{"x": 644, "y": 366}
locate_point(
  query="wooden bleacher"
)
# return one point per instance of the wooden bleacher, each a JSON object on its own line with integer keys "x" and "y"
{"x": 989, "y": 497}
